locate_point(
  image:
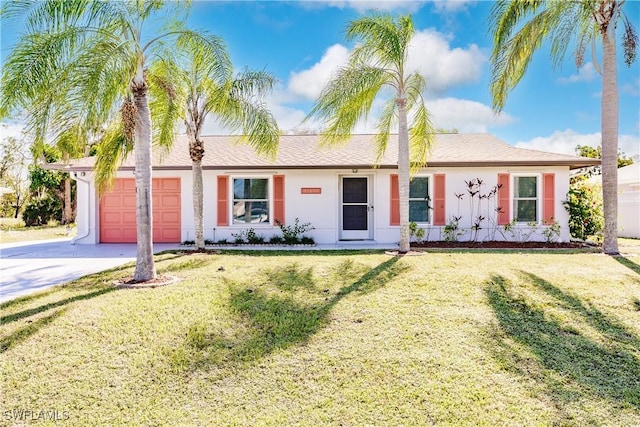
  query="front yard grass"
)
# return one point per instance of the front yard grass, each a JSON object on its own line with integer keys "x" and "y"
{"x": 13, "y": 230}
{"x": 335, "y": 338}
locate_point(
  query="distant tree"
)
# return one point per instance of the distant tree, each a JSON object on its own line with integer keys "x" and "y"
{"x": 14, "y": 161}
{"x": 596, "y": 153}
{"x": 378, "y": 65}
{"x": 48, "y": 192}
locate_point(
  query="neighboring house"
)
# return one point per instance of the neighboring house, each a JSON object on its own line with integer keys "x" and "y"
{"x": 342, "y": 191}
{"x": 629, "y": 201}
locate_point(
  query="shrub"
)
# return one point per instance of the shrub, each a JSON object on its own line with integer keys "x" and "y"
{"x": 584, "y": 204}
{"x": 291, "y": 233}
{"x": 306, "y": 240}
{"x": 415, "y": 232}
{"x": 41, "y": 211}
{"x": 276, "y": 240}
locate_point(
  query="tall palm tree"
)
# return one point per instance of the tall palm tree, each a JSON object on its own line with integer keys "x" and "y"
{"x": 521, "y": 27}
{"x": 378, "y": 62}
{"x": 83, "y": 63}
{"x": 198, "y": 82}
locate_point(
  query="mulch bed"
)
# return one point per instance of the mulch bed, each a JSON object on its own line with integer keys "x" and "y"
{"x": 499, "y": 245}
{"x": 160, "y": 280}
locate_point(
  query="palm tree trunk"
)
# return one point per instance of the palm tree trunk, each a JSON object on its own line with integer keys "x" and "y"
{"x": 196, "y": 151}
{"x": 610, "y": 142}
{"x": 67, "y": 214}
{"x": 403, "y": 174}
{"x": 145, "y": 267}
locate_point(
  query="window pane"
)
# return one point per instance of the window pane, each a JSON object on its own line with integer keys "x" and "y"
{"x": 354, "y": 190}
{"x": 526, "y": 210}
{"x": 354, "y": 217}
{"x": 418, "y": 211}
{"x": 419, "y": 188}
{"x": 255, "y": 188}
{"x": 250, "y": 212}
{"x": 526, "y": 186}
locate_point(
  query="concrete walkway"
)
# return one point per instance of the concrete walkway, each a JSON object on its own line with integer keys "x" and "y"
{"x": 28, "y": 267}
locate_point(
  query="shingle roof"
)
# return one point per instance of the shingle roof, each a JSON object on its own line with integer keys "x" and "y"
{"x": 305, "y": 152}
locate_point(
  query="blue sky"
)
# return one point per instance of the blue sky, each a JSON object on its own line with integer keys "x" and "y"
{"x": 303, "y": 42}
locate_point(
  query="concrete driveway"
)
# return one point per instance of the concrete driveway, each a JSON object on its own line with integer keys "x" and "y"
{"x": 33, "y": 266}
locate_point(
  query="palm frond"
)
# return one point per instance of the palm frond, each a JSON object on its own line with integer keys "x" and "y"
{"x": 239, "y": 106}
{"x": 511, "y": 59}
{"x": 386, "y": 121}
{"x": 421, "y": 137}
{"x": 347, "y": 98}
{"x": 111, "y": 151}
{"x": 383, "y": 40}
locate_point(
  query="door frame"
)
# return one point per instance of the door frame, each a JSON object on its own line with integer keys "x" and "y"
{"x": 367, "y": 234}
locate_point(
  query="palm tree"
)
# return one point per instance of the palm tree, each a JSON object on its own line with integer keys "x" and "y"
{"x": 198, "y": 82}
{"x": 379, "y": 62}
{"x": 521, "y": 27}
{"x": 83, "y": 63}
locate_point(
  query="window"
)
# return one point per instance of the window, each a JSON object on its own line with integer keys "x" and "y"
{"x": 419, "y": 200}
{"x": 250, "y": 200}
{"x": 525, "y": 198}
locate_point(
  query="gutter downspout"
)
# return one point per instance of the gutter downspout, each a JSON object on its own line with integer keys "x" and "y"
{"x": 88, "y": 213}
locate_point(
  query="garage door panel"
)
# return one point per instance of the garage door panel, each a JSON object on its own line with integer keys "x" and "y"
{"x": 130, "y": 234}
{"x": 171, "y": 185}
{"x": 111, "y": 218}
{"x": 118, "y": 211}
{"x": 129, "y": 218}
{"x": 128, "y": 184}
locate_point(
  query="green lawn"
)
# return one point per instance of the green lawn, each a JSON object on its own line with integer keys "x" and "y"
{"x": 13, "y": 230}
{"x": 336, "y": 338}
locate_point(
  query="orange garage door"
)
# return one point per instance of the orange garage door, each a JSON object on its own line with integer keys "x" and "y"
{"x": 118, "y": 211}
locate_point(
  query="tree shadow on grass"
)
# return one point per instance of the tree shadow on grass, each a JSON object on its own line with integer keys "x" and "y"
{"x": 587, "y": 368}
{"x": 21, "y": 334}
{"x": 271, "y": 320}
{"x": 628, "y": 263}
{"x": 42, "y": 308}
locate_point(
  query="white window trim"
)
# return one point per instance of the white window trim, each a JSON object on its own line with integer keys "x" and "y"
{"x": 512, "y": 197}
{"x": 269, "y": 179}
{"x": 430, "y": 194}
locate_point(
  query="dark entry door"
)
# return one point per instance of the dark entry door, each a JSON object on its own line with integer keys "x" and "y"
{"x": 356, "y": 210}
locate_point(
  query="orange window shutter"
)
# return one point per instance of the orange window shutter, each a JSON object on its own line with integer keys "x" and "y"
{"x": 223, "y": 200}
{"x": 548, "y": 197}
{"x": 439, "y": 210}
{"x": 504, "y": 213}
{"x": 278, "y": 198}
{"x": 394, "y": 218}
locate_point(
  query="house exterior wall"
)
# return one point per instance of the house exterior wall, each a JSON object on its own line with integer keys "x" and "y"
{"x": 629, "y": 210}
{"x": 322, "y": 207}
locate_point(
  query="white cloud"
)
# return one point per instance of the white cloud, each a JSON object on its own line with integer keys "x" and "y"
{"x": 366, "y": 5}
{"x": 449, "y": 6}
{"x": 440, "y": 6}
{"x": 431, "y": 54}
{"x": 465, "y": 115}
{"x": 309, "y": 83}
{"x": 565, "y": 142}
{"x": 586, "y": 73}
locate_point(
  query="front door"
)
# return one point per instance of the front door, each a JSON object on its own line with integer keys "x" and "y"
{"x": 356, "y": 209}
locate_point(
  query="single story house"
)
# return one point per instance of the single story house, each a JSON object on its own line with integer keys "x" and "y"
{"x": 474, "y": 187}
